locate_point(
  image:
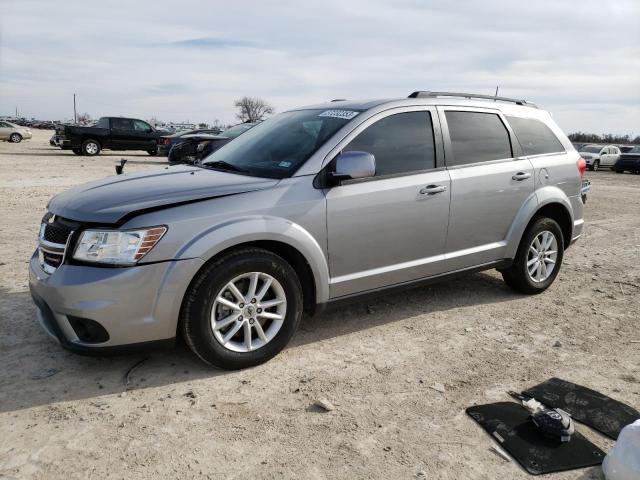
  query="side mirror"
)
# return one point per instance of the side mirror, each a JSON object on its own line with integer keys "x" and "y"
{"x": 351, "y": 165}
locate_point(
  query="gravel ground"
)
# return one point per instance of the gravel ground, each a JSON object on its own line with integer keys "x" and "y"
{"x": 67, "y": 416}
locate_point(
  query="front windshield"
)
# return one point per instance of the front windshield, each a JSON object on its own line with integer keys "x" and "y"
{"x": 591, "y": 149}
{"x": 277, "y": 147}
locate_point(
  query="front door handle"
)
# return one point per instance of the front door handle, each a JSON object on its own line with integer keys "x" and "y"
{"x": 433, "y": 189}
{"x": 521, "y": 176}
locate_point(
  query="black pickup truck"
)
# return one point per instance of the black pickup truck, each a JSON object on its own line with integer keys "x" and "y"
{"x": 112, "y": 133}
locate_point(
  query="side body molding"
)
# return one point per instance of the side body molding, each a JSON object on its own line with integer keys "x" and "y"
{"x": 541, "y": 197}
{"x": 234, "y": 232}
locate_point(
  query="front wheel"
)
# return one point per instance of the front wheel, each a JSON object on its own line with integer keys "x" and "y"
{"x": 596, "y": 165}
{"x": 153, "y": 153}
{"x": 242, "y": 309}
{"x": 15, "y": 138}
{"x": 538, "y": 258}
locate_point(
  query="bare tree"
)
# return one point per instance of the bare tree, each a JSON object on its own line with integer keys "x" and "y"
{"x": 252, "y": 109}
{"x": 84, "y": 118}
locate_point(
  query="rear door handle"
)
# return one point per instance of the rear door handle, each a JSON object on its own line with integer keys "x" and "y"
{"x": 433, "y": 189}
{"x": 521, "y": 176}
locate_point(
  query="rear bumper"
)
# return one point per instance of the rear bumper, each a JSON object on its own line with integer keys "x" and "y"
{"x": 136, "y": 306}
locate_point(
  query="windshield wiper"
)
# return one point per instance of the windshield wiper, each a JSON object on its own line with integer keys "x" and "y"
{"x": 222, "y": 165}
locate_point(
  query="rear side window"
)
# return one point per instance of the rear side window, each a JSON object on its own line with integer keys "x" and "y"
{"x": 477, "y": 137}
{"x": 400, "y": 143}
{"x": 103, "y": 122}
{"x": 534, "y": 136}
{"x": 122, "y": 123}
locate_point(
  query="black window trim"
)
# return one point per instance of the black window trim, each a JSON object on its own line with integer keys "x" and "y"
{"x": 366, "y": 123}
{"x": 516, "y": 149}
{"x": 559, "y": 152}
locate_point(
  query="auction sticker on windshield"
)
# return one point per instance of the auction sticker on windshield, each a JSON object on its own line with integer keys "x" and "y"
{"x": 346, "y": 114}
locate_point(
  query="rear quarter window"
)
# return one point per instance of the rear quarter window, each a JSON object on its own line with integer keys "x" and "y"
{"x": 534, "y": 136}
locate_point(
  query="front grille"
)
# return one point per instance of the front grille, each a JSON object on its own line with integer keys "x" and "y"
{"x": 57, "y": 233}
{"x": 54, "y": 236}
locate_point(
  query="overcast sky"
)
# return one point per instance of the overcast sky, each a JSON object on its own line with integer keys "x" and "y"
{"x": 189, "y": 60}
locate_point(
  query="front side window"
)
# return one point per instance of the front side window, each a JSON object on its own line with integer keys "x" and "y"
{"x": 477, "y": 137}
{"x": 277, "y": 147}
{"x": 534, "y": 136}
{"x": 400, "y": 143}
{"x": 141, "y": 126}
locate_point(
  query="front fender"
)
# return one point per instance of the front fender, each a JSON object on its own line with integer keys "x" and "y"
{"x": 538, "y": 199}
{"x": 220, "y": 237}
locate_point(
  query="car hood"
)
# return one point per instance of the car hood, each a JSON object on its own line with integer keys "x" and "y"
{"x": 111, "y": 199}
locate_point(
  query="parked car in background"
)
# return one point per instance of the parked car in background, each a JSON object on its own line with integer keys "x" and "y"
{"x": 625, "y": 148}
{"x": 168, "y": 141}
{"x": 629, "y": 161}
{"x": 578, "y": 146}
{"x": 195, "y": 147}
{"x": 113, "y": 133}
{"x": 311, "y": 207}
{"x": 13, "y": 133}
{"x": 598, "y": 156}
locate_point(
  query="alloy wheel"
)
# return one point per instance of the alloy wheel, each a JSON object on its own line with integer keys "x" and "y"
{"x": 542, "y": 256}
{"x": 248, "y": 312}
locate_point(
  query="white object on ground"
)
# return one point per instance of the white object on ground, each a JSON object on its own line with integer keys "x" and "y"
{"x": 623, "y": 461}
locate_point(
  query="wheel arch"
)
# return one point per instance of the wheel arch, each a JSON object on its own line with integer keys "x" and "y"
{"x": 548, "y": 201}
{"x": 282, "y": 237}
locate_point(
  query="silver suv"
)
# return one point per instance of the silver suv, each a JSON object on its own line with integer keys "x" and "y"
{"x": 311, "y": 207}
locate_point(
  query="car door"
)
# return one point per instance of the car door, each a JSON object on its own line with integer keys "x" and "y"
{"x": 390, "y": 228}
{"x": 490, "y": 181}
{"x": 122, "y": 134}
{"x": 5, "y": 131}
{"x": 144, "y": 138}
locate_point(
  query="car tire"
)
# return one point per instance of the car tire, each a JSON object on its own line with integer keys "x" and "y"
{"x": 90, "y": 148}
{"x": 596, "y": 165}
{"x": 15, "y": 138}
{"x": 590, "y": 167}
{"x": 202, "y": 309}
{"x": 77, "y": 151}
{"x": 153, "y": 153}
{"x": 518, "y": 276}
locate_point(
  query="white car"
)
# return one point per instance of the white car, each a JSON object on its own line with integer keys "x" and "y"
{"x": 12, "y": 132}
{"x": 598, "y": 156}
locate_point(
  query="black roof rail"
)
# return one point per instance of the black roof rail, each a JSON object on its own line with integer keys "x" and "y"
{"x": 428, "y": 94}
{"x": 339, "y": 100}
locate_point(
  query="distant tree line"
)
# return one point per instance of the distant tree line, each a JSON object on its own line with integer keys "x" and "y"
{"x": 580, "y": 137}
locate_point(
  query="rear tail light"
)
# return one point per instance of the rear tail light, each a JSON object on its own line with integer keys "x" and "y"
{"x": 582, "y": 166}
{"x": 167, "y": 141}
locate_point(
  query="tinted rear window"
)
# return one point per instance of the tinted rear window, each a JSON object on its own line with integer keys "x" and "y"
{"x": 534, "y": 136}
{"x": 477, "y": 137}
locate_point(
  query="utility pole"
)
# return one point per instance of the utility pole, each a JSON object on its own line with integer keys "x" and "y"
{"x": 496, "y": 91}
{"x": 16, "y": 112}
{"x": 75, "y": 115}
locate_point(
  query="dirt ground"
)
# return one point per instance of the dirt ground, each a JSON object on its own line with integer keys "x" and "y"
{"x": 68, "y": 416}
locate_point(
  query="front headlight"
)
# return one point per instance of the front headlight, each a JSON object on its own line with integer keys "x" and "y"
{"x": 117, "y": 247}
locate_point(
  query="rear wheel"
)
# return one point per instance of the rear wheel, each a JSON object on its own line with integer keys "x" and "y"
{"x": 15, "y": 138}
{"x": 153, "y": 153}
{"x": 538, "y": 258}
{"x": 90, "y": 148}
{"x": 596, "y": 165}
{"x": 242, "y": 309}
